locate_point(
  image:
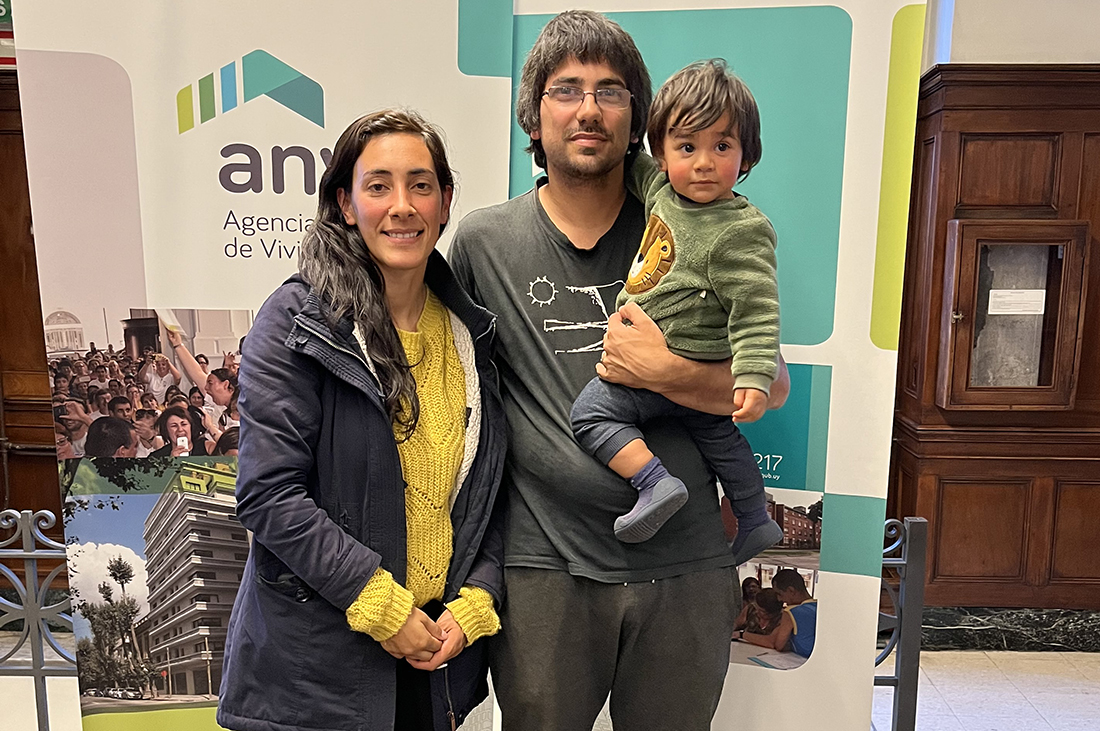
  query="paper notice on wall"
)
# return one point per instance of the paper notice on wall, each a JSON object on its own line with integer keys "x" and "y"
{"x": 1017, "y": 301}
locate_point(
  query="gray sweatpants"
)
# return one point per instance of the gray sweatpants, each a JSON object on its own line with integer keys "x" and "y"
{"x": 660, "y": 648}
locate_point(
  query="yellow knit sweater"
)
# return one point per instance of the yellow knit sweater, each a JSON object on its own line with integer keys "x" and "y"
{"x": 430, "y": 461}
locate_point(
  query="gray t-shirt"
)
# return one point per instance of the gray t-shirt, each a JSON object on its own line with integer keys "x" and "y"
{"x": 552, "y": 301}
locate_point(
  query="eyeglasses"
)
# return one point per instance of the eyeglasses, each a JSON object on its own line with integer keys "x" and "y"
{"x": 571, "y": 96}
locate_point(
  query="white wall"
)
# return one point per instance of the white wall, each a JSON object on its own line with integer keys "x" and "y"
{"x": 1011, "y": 31}
{"x": 20, "y": 712}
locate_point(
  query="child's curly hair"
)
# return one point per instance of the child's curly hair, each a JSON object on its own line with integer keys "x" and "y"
{"x": 695, "y": 98}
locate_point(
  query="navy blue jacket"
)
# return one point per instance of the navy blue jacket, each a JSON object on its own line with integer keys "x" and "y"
{"x": 320, "y": 487}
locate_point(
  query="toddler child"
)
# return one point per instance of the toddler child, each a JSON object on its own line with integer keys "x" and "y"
{"x": 705, "y": 273}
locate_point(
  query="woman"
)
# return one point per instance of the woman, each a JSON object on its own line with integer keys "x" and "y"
{"x": 747, "y": 619}
{"x": 145, "y": 423}
{"x": 229, "y": 419}
{"x": 769, "y": 611}
{"x": 774, "y": 625}
{"x": 371, "y": 448}
{"x": 215, "y": 394}
{"x": 221, "y": 384}
{"x": 176, "y": 427}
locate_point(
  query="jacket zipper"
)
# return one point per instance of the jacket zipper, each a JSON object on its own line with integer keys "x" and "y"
{"x": 450, "y": 704}
{"x": 489, "y": 329}
{"x": 492, "y": 324}
{"x": 340, "y": 348}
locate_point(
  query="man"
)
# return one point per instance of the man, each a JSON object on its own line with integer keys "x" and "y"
{"x": 121, "y": 408}
{"x": 587, "y": 614}
{"x": 78, "y": 389}
{"x": 790, "y": 587}
{"x": 111, "y": 437}
{"x": 101, "y": 381}
{"x": 100, "y": 405}
{"x": 76, "y": 421}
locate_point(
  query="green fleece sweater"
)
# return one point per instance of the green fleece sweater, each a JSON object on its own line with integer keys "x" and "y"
{"x": 705, "y": 273}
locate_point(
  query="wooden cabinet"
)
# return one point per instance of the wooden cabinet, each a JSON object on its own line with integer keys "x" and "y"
{"x": 1012, "y": 314}
{"x": 997, "y": 418}
{"x": 28, "y": 459}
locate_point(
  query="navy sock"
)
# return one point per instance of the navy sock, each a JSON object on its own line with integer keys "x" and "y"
{"x": 649, "y": 475}
{"x": 750, "y": 513}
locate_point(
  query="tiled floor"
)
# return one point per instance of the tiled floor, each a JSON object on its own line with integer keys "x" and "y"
{"x": 1002, "y": 691}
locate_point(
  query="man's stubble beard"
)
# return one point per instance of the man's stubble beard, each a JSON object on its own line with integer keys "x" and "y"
{"x": 581, "y": 175}
{"x": 587, "y": 168}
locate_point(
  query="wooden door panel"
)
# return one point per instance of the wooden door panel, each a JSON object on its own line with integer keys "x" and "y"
{"x": 1076, "y": 538}
{"x": 982, "y": 532}
{"x": 1088, "y": 388}
{"x": 1009, "y": 171}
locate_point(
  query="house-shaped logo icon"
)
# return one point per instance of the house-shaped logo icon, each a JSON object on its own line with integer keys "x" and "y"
{"x": 261, "y": 75}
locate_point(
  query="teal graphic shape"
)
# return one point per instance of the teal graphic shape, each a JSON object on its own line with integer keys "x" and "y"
{"x": 796, "y": 61}
{"x": 791, "y": 443}
{"x": 265, "y": 75}
{"x": 851, "y": 534}
{"x": 485, "y": 37}
{"x": 229, "y": 86}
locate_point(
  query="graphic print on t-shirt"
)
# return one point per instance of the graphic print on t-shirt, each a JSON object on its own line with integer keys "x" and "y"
{"x": 571, "y": 303}
{"x": 654, "y": 259}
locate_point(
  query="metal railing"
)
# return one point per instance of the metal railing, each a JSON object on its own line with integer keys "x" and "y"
{"x": 30, "y": 545}
{"x": 905, "y": 554}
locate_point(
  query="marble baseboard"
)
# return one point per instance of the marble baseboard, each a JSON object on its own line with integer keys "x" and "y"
{"x": 1022, "y": 630}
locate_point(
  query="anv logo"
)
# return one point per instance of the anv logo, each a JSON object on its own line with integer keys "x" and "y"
{"x": 262, "y": 75}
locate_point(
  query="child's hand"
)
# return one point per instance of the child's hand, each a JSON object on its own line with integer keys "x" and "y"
{"x": 751, "y": 403}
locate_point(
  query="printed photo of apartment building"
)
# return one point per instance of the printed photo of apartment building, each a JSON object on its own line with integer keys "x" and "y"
{"x": 800, "y": 531}
{"x": 196, "y": 552}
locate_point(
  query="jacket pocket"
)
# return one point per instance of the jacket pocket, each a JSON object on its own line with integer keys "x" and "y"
{"x": 275, "y": 575}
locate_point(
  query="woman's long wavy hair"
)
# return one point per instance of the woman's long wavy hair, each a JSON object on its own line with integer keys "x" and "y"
{"x": 336, "y": 262}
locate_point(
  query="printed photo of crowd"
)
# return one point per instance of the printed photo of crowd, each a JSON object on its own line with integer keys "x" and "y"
{"x": 156, "y": 393}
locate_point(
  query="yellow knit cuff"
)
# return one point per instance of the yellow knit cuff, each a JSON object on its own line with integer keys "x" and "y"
{"x": 473, "y": 610}
{"x": 382, "y": 608}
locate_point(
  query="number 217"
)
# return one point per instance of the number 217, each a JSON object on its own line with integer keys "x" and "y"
{"x": 768, "y": 462}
